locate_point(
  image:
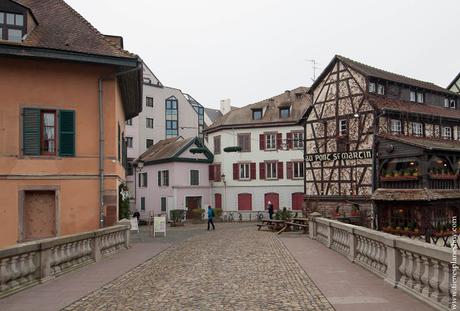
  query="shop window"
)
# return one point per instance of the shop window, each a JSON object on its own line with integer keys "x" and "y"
{"x": 403, "y": 168}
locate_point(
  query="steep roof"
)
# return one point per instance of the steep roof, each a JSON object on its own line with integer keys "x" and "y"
{"x": 60, "y": 27}
{"x": 213, "y": 114}
{"x": 457, "y": 78}
{"x": 426, "y": 143}
{"x": 297, "y": 99}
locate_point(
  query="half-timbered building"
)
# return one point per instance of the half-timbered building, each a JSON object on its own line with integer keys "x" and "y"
{"x": 383, "y": 144}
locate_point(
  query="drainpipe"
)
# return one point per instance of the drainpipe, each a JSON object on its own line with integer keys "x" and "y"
{"x": 102, "y": 135}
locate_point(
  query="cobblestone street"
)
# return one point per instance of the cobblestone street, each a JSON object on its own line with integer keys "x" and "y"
{"x": 235, "y": 267}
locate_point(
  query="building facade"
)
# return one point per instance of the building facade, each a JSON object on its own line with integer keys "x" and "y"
{"x": 258, "y": 155}
{"x": 383, "y": 143}
{"x": 66, "y": 94}
{"x": 173, "y": 176}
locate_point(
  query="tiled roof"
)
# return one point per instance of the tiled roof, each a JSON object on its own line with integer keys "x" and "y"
{"x": 382, "y": 102}
{"x": 213, "y": 114}
{"x": 61, "y": 28}
{"x": 414, "y": 194}
{"x": 426, "y": 143}
{"x": 386, "y": 75}
{"x": 298, "y": 99}
{"x": 164, "y": 149}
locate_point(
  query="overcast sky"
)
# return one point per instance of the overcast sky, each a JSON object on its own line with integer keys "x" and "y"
{"x": 248, "y": 50}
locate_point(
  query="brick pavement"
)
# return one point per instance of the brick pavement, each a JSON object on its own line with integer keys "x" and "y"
{"x": 232, "y": 268}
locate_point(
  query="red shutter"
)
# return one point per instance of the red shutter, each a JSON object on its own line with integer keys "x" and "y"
{"x": 217, "y": 172}
{"x": 236, "y": 173}
{"x": 211, "y": 172}
{"x": 289, "y": 170}
{"x": 280, "y": 170}
{"x": 253, "y": 171}
{"x": 262, "y": 141}
{"x": 262, "y": 170}
{"x": 279, "y": 140}
{"x": 289, "y": 140}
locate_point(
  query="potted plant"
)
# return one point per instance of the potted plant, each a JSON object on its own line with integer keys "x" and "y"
{"x": 197, "y": 215}
{"x": 176, "y": 217}
{"x": 218, "y": 213}
{"x": 355, "y": 210}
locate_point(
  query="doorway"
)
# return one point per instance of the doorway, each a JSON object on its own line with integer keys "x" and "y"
{"x": 192, "y": 203}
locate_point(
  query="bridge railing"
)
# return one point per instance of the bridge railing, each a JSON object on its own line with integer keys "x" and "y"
{"x": 421, "y": 269}
{"x": 26, "y": 264}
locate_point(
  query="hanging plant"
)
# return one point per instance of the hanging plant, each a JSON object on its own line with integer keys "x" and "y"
{"x": 198, "y": 150}
{"x": 232, "y": 149}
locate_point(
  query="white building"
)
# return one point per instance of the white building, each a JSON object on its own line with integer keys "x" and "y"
{"x": 269, "y": 166}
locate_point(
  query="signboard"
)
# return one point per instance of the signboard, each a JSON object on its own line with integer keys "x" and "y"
{"x": 134, "y": 224}
{"x": 159, "y": 225}
{"x": 351, "y": 155}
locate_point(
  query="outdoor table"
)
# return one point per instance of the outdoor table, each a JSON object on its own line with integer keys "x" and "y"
{"x": 270, "y": 223}
{"x": 295, "y": 222}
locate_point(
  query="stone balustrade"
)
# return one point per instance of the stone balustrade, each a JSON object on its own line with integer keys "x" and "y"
{"x": 26, "y": 264}
{"x": 421, "y": 269}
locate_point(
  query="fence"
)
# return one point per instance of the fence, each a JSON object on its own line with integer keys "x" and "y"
{"x": 30, "y": 263}
{"x": 422, "y": 270}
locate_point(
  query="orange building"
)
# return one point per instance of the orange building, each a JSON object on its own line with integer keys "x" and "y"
{"x": 66, "y": 91}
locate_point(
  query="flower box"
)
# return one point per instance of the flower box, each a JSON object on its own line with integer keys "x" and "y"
{"x": 444, "y": 176}
{"x": 398, "y": 178}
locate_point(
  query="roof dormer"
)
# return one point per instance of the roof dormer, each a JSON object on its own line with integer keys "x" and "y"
{"x": 16, "y": 21}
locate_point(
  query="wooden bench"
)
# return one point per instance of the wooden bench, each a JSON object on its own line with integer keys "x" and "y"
{"x": 294, "y": 224}
{"x": 262, "y": 225}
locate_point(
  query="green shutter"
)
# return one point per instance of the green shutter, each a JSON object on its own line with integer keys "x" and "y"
{"x": 67, "y": 133}
{"x": 31, "y": 131}
{"x": 142, "y": 204}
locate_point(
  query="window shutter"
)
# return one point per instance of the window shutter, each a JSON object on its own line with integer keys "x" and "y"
{"x": 139, "y": 179}
{"x": 279, "y": 140}
{"x": 217, "y": 173}
{"x": 67, "y": 133}
{"x": 262, "y": 170}
{"x": 280, "y": 170}
{"x": 159, "y": 178}
{"x": 262, "y": 141}
{"x": 289, "y": 140}
{"x": 145, "y": 180}
{"x": 253, "y": 171}
{"x": 235, "y": 171}
{"x": 289, "y": 170}
{"x": 211, "y": 172}
{"x": 31, "y": 131}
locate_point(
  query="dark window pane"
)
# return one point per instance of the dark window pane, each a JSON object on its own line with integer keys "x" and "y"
{"x": 2, "y": 17}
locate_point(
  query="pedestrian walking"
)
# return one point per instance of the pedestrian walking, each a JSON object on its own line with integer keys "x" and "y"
{"x": 210, "y": 217}
{"x": 270, "y": 209}
{"x": 137, "y": 215}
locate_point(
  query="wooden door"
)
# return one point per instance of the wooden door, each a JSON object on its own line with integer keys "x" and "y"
{"x": 218, "y": 200}
{"x": 192, "y": 203}
{"x": 39, "y": 214}
{"x": 244, "y": 202}
{"x": 274, "y": 198}
{"x": 297, "y": 201}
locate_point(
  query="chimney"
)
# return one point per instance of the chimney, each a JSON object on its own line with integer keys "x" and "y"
{"x": 225, "y": 106}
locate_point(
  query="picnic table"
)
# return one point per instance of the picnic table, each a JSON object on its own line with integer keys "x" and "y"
{"x": 296, "y": 222}
{"x": 272, "y": 224}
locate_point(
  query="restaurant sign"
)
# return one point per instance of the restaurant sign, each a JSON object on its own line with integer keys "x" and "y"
{"x": 333, "y": 156}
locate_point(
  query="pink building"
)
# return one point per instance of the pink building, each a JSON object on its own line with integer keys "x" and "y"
{"x": 173, "y": 174}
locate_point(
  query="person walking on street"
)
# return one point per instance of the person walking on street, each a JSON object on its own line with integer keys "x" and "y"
{"x": 270, "y": 210}
{"x": 210, "y": 216}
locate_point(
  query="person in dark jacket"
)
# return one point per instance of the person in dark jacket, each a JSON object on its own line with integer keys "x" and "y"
{"x": 210, "y": 217}
{"x": 137, "y": 215}
{"x": 270, "y": 209}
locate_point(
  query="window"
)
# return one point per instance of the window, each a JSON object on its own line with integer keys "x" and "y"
{"x": 245, "y": 173}
{"x": 270, "y": 141}
{"x": 297, "y": 168}
{"x": 372, "y": 87}
{"x": 148, "y": 143}
{"x": 163, "y": 178}
{"x": 129, "y": 122}
{"x": 163, "y": 204}
{"x": 171, "y": 117}
{"x": 380, "y": 89}
{"x": 412, "y": 96}
{"x": 256, "y": 114}
{"x": 343, "y": 127}
{"x": 143, "y": 179}
{"x": 458, "y": 132}
{"x": 420, "y": 97}
{"x": 142, "y": 204}
{"x": 244, "y": 141}
{"x": 270, "y": 170}
{"x": 417, "y": 129}
{"x": 129, "y": 142}
{"x": 447, "y": 132}
{"x": 129, "y": 169}
{"x": 194, "y": 177}
{"x": 149, "y": 101}
{"x": 446, "y": 102}
{"x": 11, "y": 26}
{"x": 217, "y": 144}
{"x": 453, "y": 104}
{"x": 284, "y": 112}
{"x": 40, "y": 129}
{"x": 395, "y": 126}
{"x": 297, "y": 140}
{"x": 149, "y": 123}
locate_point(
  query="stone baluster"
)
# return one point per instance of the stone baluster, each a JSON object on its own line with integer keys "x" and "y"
{"x": 410, "y": 269}
{"x": 375, "y": 255}
{"x": 425, "y": 278}
{"x": 22, "y": 269}
{"x": 15, "y": 272}
{"x": 417, "y": 274}
{"x": 403, "y": 267}
{"x": 5, "y": 274}
{"x": 434, "y": 280}
{"x": 444, "y": 284}
{"x": 359, "y": 248}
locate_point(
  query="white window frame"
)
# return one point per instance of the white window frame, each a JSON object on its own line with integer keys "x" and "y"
{"x": 452, "y": 104}
{"x": 163, "y": 174}
{"x": 129, "y": 139}
{"x": 458, "y": 132}
{"x": 270, "y": 141}
{"x": 446, "y": 132}
{"x": 446, "y": 102}
{"x": 143, "y": 177}
{"x": 372, "y": 87}
{"x": 147, "y": 123}
{"x": 343, "y": 127}
{"x": 297, "y": 140}
{"x": 198, "y": 172}
{"x": 417, "y": 128}
{"x": 269, "y": 170}
{"x": 395, "y": 126}
{"x": 420, "y": 97}
{"x": 300, "y": 169}
{"x": 413, "y": 96}
{"x": 380, "y": 89}
{"x": 244, "y": 171}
